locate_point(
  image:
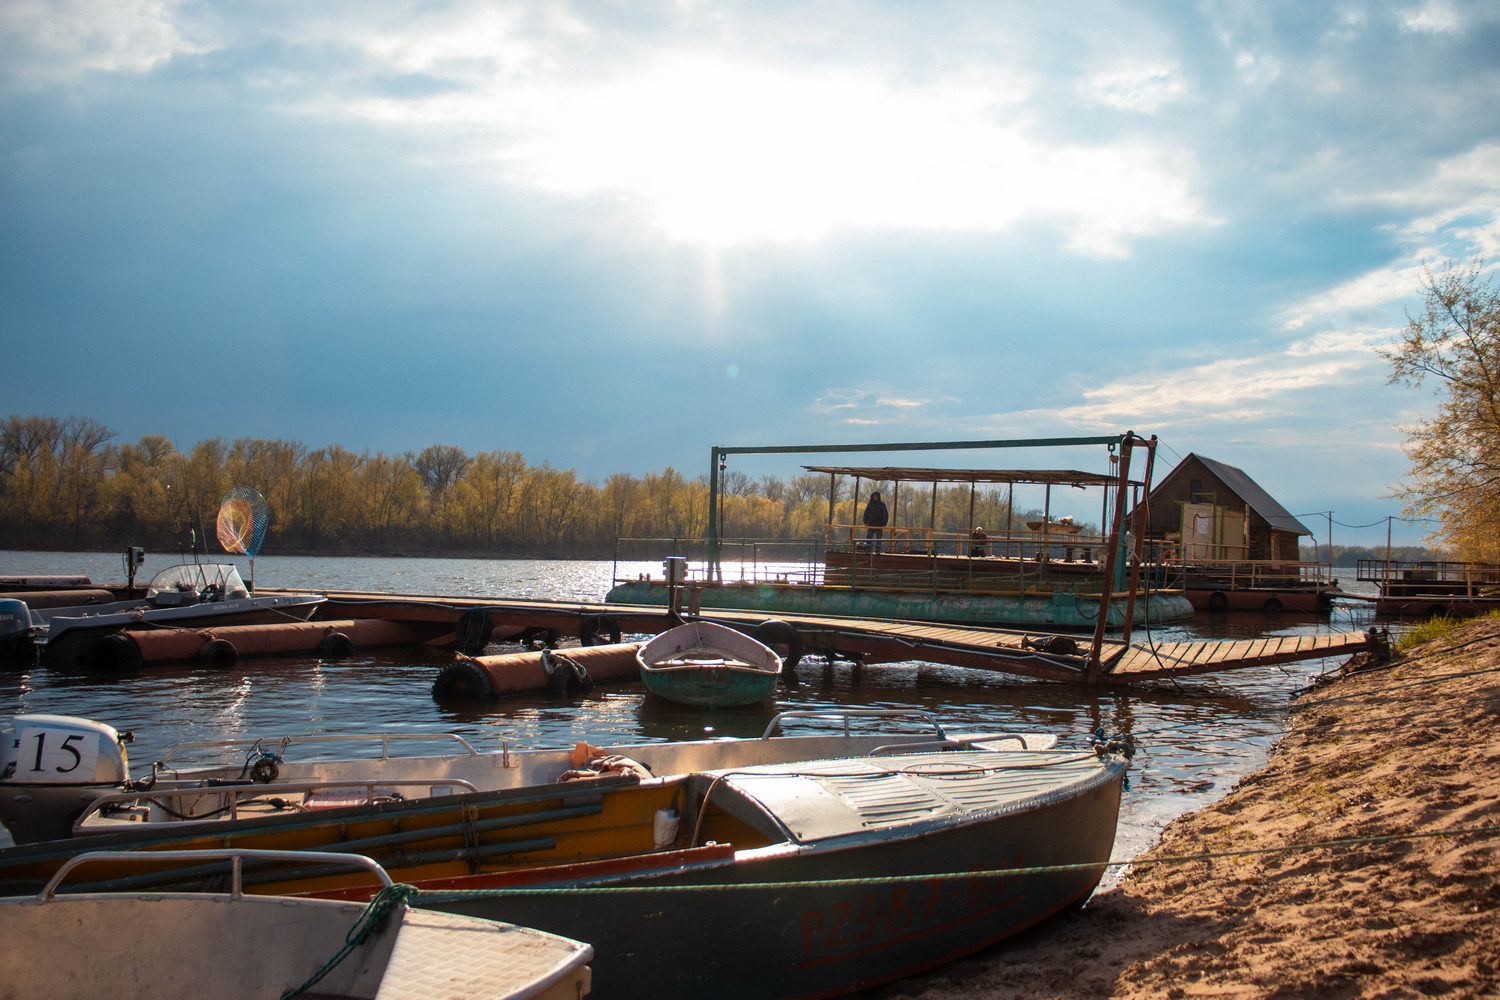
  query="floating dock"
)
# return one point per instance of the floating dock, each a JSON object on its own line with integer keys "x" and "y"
{"x": 1059, "y": 658}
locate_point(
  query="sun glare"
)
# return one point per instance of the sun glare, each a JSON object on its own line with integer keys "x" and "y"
{"x": 718, "y": 154}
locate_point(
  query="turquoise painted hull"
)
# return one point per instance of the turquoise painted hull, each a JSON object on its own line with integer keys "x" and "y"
{"x": 710, "y": 687}
{"x": 1059, "y": 610}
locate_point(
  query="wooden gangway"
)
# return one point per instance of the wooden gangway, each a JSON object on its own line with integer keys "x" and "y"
{"x": 1059, "y": 658}
{"x": 1178, "y": 659}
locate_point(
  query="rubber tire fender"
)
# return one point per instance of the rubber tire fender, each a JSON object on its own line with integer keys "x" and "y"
{"x": 336, "y": 646}
{"x": 218, "y": 653}
{"x": 1218, "y": 601}
{"x": 473, "y": 631}
{"x": 463, "y": 679}
{"x": 598, "y": 628}
{"x": 117, "y": 653}
{"x": 568, "y": 680}
{"x": 776, "y": 633}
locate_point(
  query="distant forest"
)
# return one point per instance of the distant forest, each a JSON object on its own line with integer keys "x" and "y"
{"x": 65, "y": 485}
{"x": 1350, "y": 555}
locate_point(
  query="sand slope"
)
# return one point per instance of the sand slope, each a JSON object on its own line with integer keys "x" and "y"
{"x": 1410, "y": 747}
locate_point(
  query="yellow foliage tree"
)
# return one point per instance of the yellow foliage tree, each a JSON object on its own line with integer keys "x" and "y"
{"x": 1455, "y": 455}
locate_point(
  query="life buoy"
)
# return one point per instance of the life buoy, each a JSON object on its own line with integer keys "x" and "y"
{"x": 596, "y": 630}
{"x": 116, "y": 652}
{"x": 1218, "y": 601}
{"x": 218, "y": 653}
{"x": 463, "y": 678}
{"x": 784, "y": 639}
{"x": 335, "y": 646}
{"x": 473, "y": 631}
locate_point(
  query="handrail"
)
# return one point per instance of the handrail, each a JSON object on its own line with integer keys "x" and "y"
{"x": 236, "y": 793}
{"x": 846, "y": 713}
{"x": 235, "y": 855}
{"x": 286, "y": 741}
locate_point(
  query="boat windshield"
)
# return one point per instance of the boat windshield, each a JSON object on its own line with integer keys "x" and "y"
{"x": 203, "y": 581}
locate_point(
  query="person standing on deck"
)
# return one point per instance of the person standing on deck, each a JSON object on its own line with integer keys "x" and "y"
{"x": 875, "y": 520}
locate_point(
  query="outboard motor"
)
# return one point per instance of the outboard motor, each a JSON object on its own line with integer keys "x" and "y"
{"x": 51, "y": 767}
{"x": 16, "y": 630}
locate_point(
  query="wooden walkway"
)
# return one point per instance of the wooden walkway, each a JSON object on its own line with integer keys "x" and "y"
{"x": 1061, "y": 659}
{"x": 1179, "y": 659}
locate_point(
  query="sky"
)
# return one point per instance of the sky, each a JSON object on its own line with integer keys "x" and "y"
{"x": 611, "y": 236}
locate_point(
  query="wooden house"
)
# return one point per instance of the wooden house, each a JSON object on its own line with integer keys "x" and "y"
{"x": 1235, "y": 546}
{"x": 1218, "y": 512}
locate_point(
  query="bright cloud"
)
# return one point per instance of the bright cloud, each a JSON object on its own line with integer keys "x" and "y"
{"x": 49, "y": 40}
{"x": 1144, "y": 89}
{"x": 717, "y": 152}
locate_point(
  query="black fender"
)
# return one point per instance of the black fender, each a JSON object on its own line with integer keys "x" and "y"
{"x": 218, "y": 653}
{"x": 335, "y": 646}
{"x": 566, "y": 677}
{"x": 596, "y": 630}
{"x": 784, "y": 639}
{"x": 117, "y": 653}
{"x": 463, "y": 678}
{"x": 473, "y": 631}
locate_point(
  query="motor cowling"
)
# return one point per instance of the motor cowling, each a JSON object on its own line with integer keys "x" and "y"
{"x": 61, "y": 750}
{"x": 15, "y": 618}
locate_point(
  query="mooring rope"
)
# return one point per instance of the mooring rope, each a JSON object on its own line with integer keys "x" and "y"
{"x": 425, "y": 897}
{"x": 370, "y": 922}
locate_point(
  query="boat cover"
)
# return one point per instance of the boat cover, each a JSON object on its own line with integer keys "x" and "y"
{"x": 817, "y": 800}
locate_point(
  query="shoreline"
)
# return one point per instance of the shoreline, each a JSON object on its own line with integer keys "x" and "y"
{"x": 1339, "y": 873}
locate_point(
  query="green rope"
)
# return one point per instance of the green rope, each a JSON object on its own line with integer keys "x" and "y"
{"x": 423, "y": 897}
{"x": 370, "y": 922}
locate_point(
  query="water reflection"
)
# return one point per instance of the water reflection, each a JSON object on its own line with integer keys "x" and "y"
{"x": 1197, "y": 737}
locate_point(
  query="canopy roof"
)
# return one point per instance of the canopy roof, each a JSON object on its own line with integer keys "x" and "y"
{"x": 903, "y": 474}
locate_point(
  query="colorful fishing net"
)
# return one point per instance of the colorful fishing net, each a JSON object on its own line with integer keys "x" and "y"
{"x": 242, "y": 521}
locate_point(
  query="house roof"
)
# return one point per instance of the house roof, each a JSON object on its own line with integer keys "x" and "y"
{"x": 1250, "y": 492}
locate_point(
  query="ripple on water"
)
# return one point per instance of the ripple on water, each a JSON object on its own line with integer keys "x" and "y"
{"x": 1196, "y": 738}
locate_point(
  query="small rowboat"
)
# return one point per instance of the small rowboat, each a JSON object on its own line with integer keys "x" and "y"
{"x": 230, "y": 945}
{"x": 1054, "y": 527}
{"x": 707, "y": 664}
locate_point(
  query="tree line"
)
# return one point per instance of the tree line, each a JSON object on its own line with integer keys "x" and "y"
{"x": 65, "y": 484}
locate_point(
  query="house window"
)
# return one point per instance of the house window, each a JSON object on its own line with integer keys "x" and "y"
{"x": 1195, "y": 488}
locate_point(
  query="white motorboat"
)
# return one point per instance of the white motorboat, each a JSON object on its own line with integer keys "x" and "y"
{"x": 65, "y": 777}
{"x": 230, "y": 945}
{"x": 190, "y": 595}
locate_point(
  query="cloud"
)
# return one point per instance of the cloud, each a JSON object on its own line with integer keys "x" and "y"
{"x": 869, "y": 406}
{"x": 716, "y": 150}
{"x": 1143, "y": 89}
{"x": 1436, "y": 17}
{"x": 46, "y": 41}
{"x": 703, "y": 141}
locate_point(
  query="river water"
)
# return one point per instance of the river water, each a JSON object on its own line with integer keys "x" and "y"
{"x": 1196, "y": 738}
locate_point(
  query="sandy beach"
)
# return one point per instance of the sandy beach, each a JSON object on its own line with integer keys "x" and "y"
{"x": 1395, "y": 761}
